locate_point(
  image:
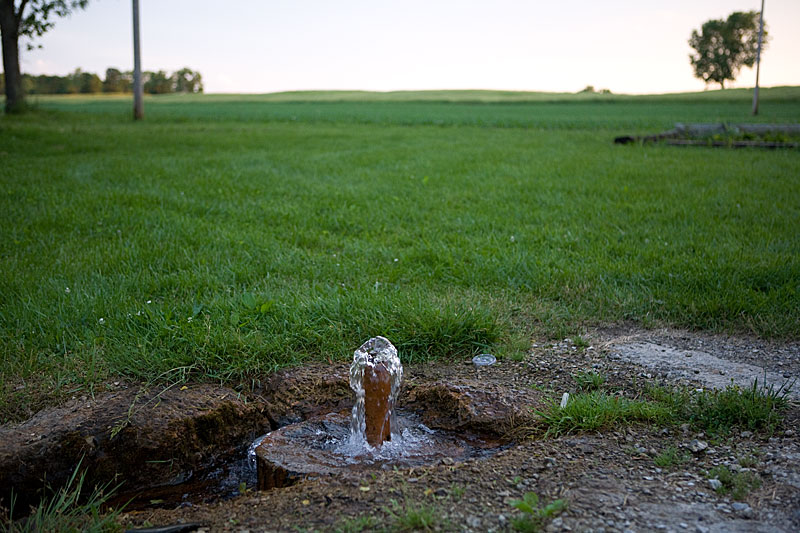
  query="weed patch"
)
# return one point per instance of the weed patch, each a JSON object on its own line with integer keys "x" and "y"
{"x": 736, "y": 484}
{"x": 415, "y": 518}
{"x": 670, "y": 457}
{"x": 589, "y": 381}
{"x": 535, "y": 516}
{"x": 355, "y": 525}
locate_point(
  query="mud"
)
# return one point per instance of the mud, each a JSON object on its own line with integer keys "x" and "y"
{"x": 145, "y": 439}
{"x": 188, "y": 445}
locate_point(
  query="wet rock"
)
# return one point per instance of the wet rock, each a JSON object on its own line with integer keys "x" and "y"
{"x": 319, "y": 447}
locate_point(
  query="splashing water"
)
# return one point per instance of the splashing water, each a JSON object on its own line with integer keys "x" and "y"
{"x": 375, "y": 354}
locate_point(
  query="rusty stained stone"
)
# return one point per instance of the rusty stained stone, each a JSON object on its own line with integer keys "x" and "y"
{"x": 377, "y": 408}
{"x": 270, "y": 475}
{"x": 310, "y": 450}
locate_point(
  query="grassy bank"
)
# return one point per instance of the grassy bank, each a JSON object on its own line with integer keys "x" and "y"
{"x": 225, "y": 237}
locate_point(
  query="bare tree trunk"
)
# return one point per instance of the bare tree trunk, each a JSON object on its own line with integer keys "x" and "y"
{"x": 15, "y": 98}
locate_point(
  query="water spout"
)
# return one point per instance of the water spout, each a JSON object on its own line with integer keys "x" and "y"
{"x": 375, "y": 376}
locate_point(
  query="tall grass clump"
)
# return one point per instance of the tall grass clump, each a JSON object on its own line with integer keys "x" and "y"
{"x": 758, "y": 407}
{"x": 68, "y": 510}
{"x": 596, "y": 410}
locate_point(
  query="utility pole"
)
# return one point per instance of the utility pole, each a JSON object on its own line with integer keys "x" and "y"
{"x": 758, "y": 57}
{"x": 138, "y": 111}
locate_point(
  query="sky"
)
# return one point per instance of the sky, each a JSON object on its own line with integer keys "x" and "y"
{"x": 261, "y": 46}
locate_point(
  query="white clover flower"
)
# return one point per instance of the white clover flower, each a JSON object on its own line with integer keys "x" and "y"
{"x": 67, "y": 290}
{"x": 102, "y": 320}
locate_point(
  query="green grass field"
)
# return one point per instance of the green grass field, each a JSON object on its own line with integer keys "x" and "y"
{"x": 225, "y": 236}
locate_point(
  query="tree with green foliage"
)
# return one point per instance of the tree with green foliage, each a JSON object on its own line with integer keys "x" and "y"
{"x": 44, "y": 84}
{"x": 157, "y": 82}
{"x": 723, "y": 47}
{"x": 187, "y": 80}
{"x": 26, "y": 18}
{"x": 117, "y": 81}
{"x": 85, "y": 82}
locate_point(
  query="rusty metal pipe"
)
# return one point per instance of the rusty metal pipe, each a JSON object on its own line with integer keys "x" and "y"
{"x": 377, "y": 411}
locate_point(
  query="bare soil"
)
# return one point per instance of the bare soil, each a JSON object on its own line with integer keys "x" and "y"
{"x": 609, "y": 479}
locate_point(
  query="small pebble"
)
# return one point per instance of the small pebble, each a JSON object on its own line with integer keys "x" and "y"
{"x": 697, "y": 445}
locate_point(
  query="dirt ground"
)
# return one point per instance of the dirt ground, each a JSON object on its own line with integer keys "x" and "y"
{"x": 609, "y": 480}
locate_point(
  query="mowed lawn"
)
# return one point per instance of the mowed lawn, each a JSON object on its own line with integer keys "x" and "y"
{"x": 225, "y": 237}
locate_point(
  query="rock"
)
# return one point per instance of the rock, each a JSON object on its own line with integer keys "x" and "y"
{"x": 715, "y": 484}
{"x": 465, "y": 406}
{"x": 742, "y": 509}
{"x": 474, "y": 521}
{"x": 697, "y": 446}
{"x": 747, "y": 434}
{"x": 302, "y": 450}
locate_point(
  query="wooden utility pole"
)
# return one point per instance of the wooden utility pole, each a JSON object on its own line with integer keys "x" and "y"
{"x": 758, "y": 57}
{"x": 138, "y": 111}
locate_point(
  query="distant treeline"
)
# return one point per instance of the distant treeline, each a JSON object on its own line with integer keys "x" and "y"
{"x": 116, "y": 81}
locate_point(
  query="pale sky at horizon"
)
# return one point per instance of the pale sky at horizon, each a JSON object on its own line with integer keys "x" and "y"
{"x": 251, "y": 46}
